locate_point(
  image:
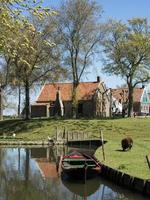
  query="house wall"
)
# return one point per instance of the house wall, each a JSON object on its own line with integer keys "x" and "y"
{"x": 145, "y": 103}
{"x": 107, "y": 108}
{"x": 101, "y": 103}
{"x": 137, "y": 107}
{"x": 144, "y": 108}
{"x": 67, "y": 109}
{"x": 141, "y": 109}
{"x": 87, "y": 108}
{"x": 39, "y": 111}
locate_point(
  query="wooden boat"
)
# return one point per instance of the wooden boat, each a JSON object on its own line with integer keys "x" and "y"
{"x": 80, "y": 165}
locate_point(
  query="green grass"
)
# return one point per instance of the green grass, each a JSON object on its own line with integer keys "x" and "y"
{"x": 132, "y": 162}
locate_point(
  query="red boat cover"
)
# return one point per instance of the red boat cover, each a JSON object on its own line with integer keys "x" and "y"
{"x": 74, "y": 154}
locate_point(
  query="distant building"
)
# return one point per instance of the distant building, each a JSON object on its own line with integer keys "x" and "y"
{"x": 141, "y": 100}
{"x": 56, "y": 99}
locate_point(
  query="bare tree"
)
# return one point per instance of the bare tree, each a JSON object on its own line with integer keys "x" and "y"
{"x": 79, "y": 32}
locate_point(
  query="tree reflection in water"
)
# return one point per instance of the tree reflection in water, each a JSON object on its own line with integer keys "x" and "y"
{"x": 30, "y": 174}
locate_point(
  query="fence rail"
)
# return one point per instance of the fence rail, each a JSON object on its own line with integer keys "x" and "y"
{"x": 66, "y": 135}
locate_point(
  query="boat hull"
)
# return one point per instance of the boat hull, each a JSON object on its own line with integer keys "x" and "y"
{"x": 81, "y": 173}
{"x": 80, "y": 166}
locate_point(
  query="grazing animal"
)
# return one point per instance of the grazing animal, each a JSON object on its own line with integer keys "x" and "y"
{"x": 127, "y": 143}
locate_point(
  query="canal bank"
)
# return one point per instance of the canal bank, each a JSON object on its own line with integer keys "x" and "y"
{"x": 127, "y": 181}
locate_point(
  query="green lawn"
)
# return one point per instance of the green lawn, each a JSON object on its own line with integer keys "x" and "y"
{"x": 132, "y": 162}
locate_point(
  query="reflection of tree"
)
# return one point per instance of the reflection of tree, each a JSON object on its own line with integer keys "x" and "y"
{"x": 108, "y": 194}
{"x": 12, "y": 180}
{"x": 27, "y": 166}
{"x": 3, "y": 176}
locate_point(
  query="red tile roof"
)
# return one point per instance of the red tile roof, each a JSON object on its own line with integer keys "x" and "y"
{"x": 122, "y": 93}
{"x": 85, "y": 91}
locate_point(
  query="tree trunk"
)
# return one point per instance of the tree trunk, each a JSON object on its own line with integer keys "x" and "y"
{"x": 130, "y": 100}
{"x": 27, "y": 100}
{"x": 74, "y": 101}
{"x": 19, "y": 99}
{"x": 110, "y": 107}
{"x": 1, "y": 103}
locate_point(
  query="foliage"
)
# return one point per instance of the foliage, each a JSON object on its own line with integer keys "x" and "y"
{"x": 28, "y": 47}
{"x": 127, "y": 53}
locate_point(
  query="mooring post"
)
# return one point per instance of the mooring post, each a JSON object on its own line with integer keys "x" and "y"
{"x": 148, "y": 160}
{"x": 102, "y": 140}
{"x": 64, "y": 133}
{"x": 67, "y": 137}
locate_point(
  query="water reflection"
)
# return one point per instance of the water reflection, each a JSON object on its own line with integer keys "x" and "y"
{"x": 30, "y": 174}
{"x": 79, "y": 188}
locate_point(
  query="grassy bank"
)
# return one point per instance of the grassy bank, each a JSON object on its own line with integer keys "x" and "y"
{"x": 132, "y": 162}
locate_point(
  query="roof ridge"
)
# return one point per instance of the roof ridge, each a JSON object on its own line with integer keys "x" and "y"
{"x": 126, "y": 88}
{"x": 70, "y": 83}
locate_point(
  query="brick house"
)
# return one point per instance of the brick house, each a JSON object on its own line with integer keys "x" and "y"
{"x": 93, "y": 100}
{"x": 141, "y": 99}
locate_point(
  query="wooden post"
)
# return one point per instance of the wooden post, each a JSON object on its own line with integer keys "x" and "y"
{"x": 1, "y": 103}
{"x": 110, "y": 109}
{"x": 102, "y": 140}
{"x": 47, "y": 153}
{"x": 64, "y": 133}
{"x": 67, "y": 136}
{"x": 148, "y": 160}
{"x": 59, "y": 166}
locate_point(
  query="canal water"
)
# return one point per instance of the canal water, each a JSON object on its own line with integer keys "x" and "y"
{"x": 30, "y": 174}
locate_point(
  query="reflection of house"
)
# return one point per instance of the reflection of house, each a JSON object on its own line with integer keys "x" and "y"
{"x": 141, "y": 100}
{"x": 92, "y": 97}
{"x": 45, "y": 160}
{"x": 47, "y": 169}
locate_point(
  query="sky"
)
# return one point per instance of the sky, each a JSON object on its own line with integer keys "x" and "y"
{"x": 119, "y": 10}
{"x": 116, "y": 9}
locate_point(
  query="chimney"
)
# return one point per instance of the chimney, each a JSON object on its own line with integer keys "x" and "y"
{"x": 98, "y": 79}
